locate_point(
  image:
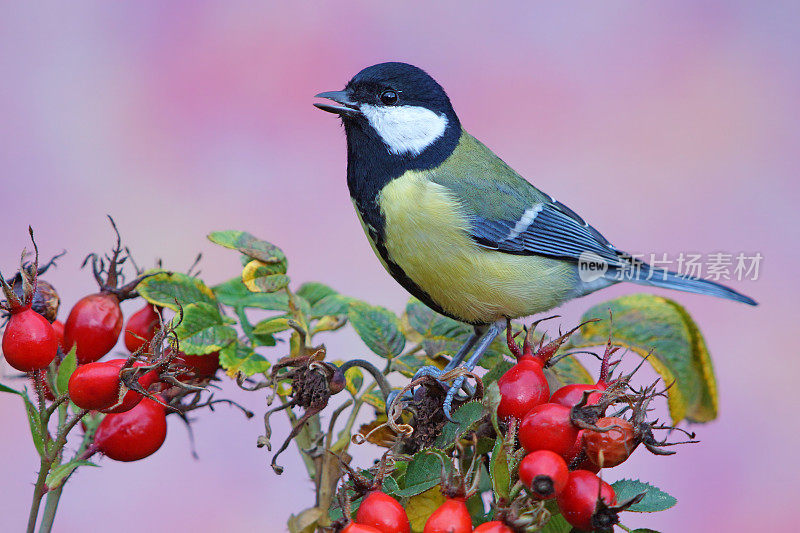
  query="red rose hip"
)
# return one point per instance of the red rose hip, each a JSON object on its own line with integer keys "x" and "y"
{"x": 384, "y": 513}
{"x": 548, "y": 427}
{"x": 544, "y": 472}
{"x": 29, "y": 342}
{"x": 94, "y": 325}
{"x": 132, "y": 435}
{"x": 451, "y": 517}
{"x": 141, "y": 327}
{"x": 585, "y": 502}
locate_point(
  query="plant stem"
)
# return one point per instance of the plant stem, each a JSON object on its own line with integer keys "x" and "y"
{"x": 61, "y": 438}
{"x": 38, "y": 492}
{"x": 39, "y": 489}
{"x": 344, "y": 436}
{"x": 44, "y": 414}
{"x": 50, "y": 507}
{"x": 56, "y": 404}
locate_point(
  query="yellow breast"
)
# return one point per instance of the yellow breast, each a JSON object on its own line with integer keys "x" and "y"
{"x": 426, "y": 235}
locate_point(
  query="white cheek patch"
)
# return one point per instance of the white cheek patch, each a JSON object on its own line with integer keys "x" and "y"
{"x": 405, "y": 129}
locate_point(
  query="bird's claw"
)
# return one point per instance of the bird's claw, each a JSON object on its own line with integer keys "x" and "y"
{"x": 431, "y": 371}
{"x": 451, "y": 394}
{"x": 436, "y": 373}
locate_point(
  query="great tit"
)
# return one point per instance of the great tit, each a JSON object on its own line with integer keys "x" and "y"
{"x": 456, "y": 226}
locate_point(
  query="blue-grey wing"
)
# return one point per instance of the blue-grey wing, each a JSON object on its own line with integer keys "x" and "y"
{"x": 548, "y": 229}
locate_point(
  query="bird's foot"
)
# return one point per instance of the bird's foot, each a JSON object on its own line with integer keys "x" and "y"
{"x": 443, "y": 377}
{"x": 481, "y": 340}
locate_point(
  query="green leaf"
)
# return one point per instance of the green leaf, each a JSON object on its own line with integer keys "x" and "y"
{"x": 485, "y": 481}
{"x": 476, "y": 509}
{"x": 497, "y": 371}
{"x": 424, "y": 471}
{"x": 644, "y": 530}
{"x": 379, "y": 328}
{"x": 34, "y": 424}
{"x": 59, "y": 474}
{"x": 491, "y": 399}
{"x": 499, "y": 471}
{"x": 235, "y": 294}
{"x": 439, "y": 333}
{"x": 328, "y": 323}
{"x": 375, "y": 399}
{"x": 261, "y": 277}
{"x": 65, "y": 370}
{"x": 90, "y": 421}
{"x": 654, "y": 500}
{"x": 569, "y": 370}
{"x": 257, "y": 339}
{"x": 463, "y": 419}
{"x": 3, "y": 388}
{"x": 389, "y": 485}
{"x": 431, "y": 324}
{"x": 203, "y": 330}
{"x": 165, "y": 288}
{"x": 249, "y": 245}
{"x": 495, "y": 353}
{"x": 272, "y": 325}
{"x": 556, "y": 524}
{"x": 409, "y": 363}
{"x": 314, "y": 291}
{"x": 262, "y": 340}
{"x": 300, "y": 304}
{"x": 239, "y": 358}
{"x": 331, "y": 305}
{"x": 643, "y": 322}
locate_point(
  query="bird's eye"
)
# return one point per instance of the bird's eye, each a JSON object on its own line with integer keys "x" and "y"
{"x": 389, "y": 97}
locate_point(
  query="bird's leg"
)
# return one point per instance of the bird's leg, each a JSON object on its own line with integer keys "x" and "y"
{"x": 488, "y": 337}
{"x": 453, "y": 363}
{"x": 464, "y": 350}
{"x": 457, "y": 358}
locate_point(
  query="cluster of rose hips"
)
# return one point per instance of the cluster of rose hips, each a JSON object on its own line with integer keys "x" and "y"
{"x": 567, "y": 435}
{"x": 564, "y": 440}
{"x": 123, "y": 389}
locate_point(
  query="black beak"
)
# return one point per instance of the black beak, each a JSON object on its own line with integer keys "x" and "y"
{"x": 348, "y": 108}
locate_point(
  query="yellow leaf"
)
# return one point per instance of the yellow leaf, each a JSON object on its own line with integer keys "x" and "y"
{"x": 645, "y": 323}
{"x": 261, "y": 277}
{"x": 305, "y": 522}
{"x": 420, "y": 507}
{"x": 329, "y": 323}
{"x": 378, "y": 433}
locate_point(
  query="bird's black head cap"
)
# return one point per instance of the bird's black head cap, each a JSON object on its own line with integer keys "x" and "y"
{"x": 412, "y": 85}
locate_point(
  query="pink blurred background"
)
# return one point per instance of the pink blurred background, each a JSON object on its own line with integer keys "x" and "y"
{"x": 669, "y": 127}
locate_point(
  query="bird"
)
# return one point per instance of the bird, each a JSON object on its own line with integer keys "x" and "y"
{"x": 457, "y": 227}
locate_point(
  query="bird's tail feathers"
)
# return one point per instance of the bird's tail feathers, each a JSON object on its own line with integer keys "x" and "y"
{"x": 644, "y": 274}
